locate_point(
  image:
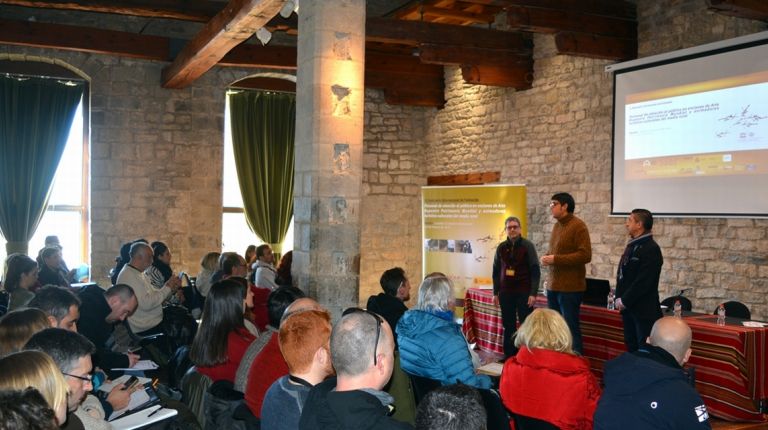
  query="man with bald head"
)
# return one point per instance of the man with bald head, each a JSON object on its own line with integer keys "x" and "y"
{"x": 362, "y": 352}
{"x": 648, "y": 388}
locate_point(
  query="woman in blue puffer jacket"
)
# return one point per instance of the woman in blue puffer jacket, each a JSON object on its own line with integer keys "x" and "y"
{"x": 431, "y": 343}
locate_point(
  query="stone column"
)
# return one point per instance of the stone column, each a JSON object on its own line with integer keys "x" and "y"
{"x": 329, "y": 150}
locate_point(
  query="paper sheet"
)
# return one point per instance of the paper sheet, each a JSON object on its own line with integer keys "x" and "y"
{"x": 142, "y": 418}
{"x": 493, "y": 369}
{"x": 108, "y": 386}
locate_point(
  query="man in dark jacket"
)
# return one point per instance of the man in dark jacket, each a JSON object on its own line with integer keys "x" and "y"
{"x": 516, "y": 276}
{"x": 390, "y": 304}
{"x": 637, "y": 280}
{"x": 648, "y": 388}
{"x": 362, "y": 352}
{"x": 99, "y": 312}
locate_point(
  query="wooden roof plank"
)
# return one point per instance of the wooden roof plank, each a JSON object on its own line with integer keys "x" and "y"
{"x": 543, "y": 20}
{"x": 592, "y": 46}
{"x": 750, "y": 9}
{"x": 230, "y": 27}
{"x": 199, "y": 11}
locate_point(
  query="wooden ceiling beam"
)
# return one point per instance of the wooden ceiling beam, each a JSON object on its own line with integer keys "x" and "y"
{"x": 71, "y": 38}
{"x": 749, "y": 9}
{"x": 545, "y": 20}
{"x": 230, "y": 27}
{"x": 198, "y": 11}
{"x": 458, "y": 14}
{"x": 591, "y": 46}
{"x": 456, "y": 55}
{"x": 621, "y": 9}
{"x": 499, "y": 76}
{"x": 413, "y": 33}
{"x": 406, "y": 89}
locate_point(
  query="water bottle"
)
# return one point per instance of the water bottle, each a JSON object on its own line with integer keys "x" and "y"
{"x": 721, "y": 315}
{"x": 678, "y": 309}
{"x": 611, "y": 300}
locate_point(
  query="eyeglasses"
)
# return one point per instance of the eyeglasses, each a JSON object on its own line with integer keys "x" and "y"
{"x": 88, "y": 378}
{"x": 513, "y": 227}
{"x": 378, "y": 325}
{"x": 553, "y": 204}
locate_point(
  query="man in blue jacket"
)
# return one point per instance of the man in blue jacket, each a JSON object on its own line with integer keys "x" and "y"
{"x": 648, "y": 388}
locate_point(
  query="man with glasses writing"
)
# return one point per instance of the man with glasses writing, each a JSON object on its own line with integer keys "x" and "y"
{"x": 362, "y": 352}
{"x": 569, "y": 251}
{"x": 516, "y": 276}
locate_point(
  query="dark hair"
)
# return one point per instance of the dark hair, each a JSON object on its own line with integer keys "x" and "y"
{"x": 122, "y": 259}
{"x": 222, "y": 314}
{"x": 284, "y": 269}
{"x": 261, "y": 250}
{"x": 228, "y": 261}
{"x": 512, "y": 218}
{"x": 123, "y": 291}
{"x": 391, "y": 280}
{"x": 451, "y": 407}
{"x": 645, "y": 217}
{"x": 279, "y": 300}
{"x": 16, "y": 265}
{"x": 65, "y": 347}
{"x": 46, "y": 252}
{"x": 26, "y": 409}
{"x": 250, "y": 253}
{"x": 158, "y": 249}
{"x": 54, "y": 301}
{"x": 565, "y": 199}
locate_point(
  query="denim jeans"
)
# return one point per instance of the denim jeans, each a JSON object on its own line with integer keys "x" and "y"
{"x": 569, "y": 306}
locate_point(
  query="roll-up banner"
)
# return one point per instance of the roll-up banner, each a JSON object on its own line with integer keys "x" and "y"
{"x": 463, "y": 225}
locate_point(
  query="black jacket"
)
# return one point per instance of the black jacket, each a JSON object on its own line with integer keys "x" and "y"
{"x": 345, "y": 410}
{"x": 637, "y": 279}
{"x": 93, "y": 325}
{"x": 647, "y": 389}
{"x": 389, "y": 307}
{"x": 48, "y": 276}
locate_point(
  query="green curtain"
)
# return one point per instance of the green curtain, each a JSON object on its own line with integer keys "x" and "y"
{"x": 263, "y": 130}
{"x": 35, "y": 117}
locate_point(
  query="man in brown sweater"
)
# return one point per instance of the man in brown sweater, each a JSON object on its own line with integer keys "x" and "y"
{"x": 569, "y": 251}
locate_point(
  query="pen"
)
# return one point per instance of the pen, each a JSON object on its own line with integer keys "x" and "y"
{"x": 154, "y": 412}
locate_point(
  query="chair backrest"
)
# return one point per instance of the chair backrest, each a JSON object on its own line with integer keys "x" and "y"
{"x": 528, "y": 423}
{"x": 686, "y": 304}
{"x": 421, "y": 386}
{"x": 496, "y": 413}
{"x": 735, "y": 309}
{"x": 194, "y": 385}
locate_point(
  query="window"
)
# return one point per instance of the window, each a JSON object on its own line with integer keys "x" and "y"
{"x": 235, "y": 233}
{"x": 67, "y": 213}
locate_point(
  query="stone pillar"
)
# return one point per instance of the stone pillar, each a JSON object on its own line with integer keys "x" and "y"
{"x": 329, "y": 150}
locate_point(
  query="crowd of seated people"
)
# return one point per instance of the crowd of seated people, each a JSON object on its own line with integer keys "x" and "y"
{"x": 300, "y": 370}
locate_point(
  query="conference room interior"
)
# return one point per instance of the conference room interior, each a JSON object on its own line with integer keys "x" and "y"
{"x": 153, "y": 158}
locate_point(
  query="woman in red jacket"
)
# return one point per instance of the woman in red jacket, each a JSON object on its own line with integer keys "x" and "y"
{"x": 546, "y": 380}
{"x": 222, "y": 337}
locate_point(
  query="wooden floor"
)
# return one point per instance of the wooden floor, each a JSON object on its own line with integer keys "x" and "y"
{"x": 718, "y": 424}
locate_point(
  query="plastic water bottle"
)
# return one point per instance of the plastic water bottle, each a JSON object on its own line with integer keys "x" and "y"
{"x": 611, "y": 300}
{"x": 721, "y": 315}
{"x": 678, "y": 309}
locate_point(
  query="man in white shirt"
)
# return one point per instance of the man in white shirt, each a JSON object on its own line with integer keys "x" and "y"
{"x": 264, "y": 268}
{"x": 149, "y": 314}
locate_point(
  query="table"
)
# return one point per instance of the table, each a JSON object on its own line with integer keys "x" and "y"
{"x": 730, "y": 360}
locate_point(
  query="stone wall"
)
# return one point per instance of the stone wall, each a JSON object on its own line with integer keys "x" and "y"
{"x": 394, "y": 171}
{"x": 557, "y": 137}
{"x": 156, "y": 156}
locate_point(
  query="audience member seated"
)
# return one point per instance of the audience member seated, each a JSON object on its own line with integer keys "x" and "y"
{"x": 304, "y": 339}
{"x": 284, "y": 277}
{"x": 20, "y": 276}
{"x": 250, "y": 255}
{"x": 648, "y": 388}
{"x": 208, "y": 264}
{"x": 389, "y": 304}
{"x": 230, "y": 264}
{"x": 122, "y": 259}
{"x": 49, "y": 262}
{"x": 264, "y": 272}
{"x": 16, "y": 327}
{"x": 431, "y": 343}
{"x": 363, "y": 354}
{"x": 24, "y": 369}
{"x": 222, "y": 338}
{"x": 263, "y": 362}
{"x": 159, "y": 272}
{"x": 72, "y": 354}
{"x": 147, "y": 318}
{"x": 25, "y": 409}
{"x": 60, "y": 305}
{"x": 451, "y": 407}
{"x": 99, "y": 312}
{"x": 546, "y": 380}
{"x": 69, "y": 275}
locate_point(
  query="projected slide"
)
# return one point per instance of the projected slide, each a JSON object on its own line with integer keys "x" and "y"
{"x": 711, "y": 128}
